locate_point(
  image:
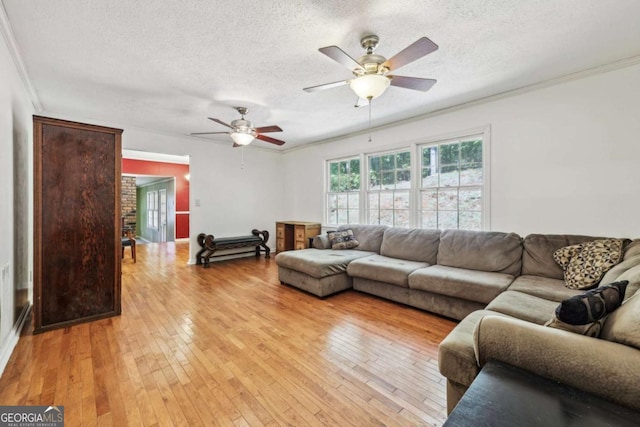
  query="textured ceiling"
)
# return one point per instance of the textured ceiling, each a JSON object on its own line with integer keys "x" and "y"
{"x": 166, "y": 66}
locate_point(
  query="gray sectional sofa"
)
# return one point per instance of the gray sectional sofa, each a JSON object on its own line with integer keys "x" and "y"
{"x": 503, "y": 288}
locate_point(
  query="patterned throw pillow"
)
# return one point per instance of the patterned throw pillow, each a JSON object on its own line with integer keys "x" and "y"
{"x": 343, "y": 239}
{"x": 592, "y": 305}
{"x": 586, "y": 263}
{"x": 585, "y": 313}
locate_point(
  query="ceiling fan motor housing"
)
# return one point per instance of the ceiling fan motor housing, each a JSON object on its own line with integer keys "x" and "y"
{"x": 372, "y": 64}
{"x": 242, "y": 126}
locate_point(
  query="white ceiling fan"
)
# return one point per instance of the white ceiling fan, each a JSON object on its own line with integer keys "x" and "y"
{"x": 242, "y": 131}
{"x": 372, "y": 72}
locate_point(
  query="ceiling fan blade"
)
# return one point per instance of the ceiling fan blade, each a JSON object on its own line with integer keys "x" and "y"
{"x": 208, "y": 133}
{"x": 221, "y": 122}
{"x": 341, "y": 57}
{"x": 269, "y": 139}
{"x": 421, "y": 47}
{"x": 267, "y": 129}
{"x": 415, "y": 83}
{"x": 326, "y": 86}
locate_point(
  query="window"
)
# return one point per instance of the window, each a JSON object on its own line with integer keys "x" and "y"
{"x": 439, "y": 185}
{"x": 389, "y": 189}
{"x": 152, "y": 209}
{"x": 451, "y": 185}
{"x": 343, "y": 196}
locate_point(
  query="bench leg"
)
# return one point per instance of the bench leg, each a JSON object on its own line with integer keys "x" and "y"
{"x": 267, "y": 250}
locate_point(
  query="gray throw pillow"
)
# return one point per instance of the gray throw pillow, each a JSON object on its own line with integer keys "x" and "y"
{"x": 343, "y": 239}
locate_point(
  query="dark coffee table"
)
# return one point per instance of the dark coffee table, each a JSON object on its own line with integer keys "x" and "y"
{"x": 503, "y": 395}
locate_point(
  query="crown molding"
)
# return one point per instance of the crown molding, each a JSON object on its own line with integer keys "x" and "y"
{"x": 12, "y": 47}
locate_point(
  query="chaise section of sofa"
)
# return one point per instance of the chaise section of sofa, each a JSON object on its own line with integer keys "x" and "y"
{"x": 323, "y": 271}
{"x": 320, "y": 272}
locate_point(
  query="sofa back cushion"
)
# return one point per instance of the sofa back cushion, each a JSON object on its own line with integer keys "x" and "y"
{"x": 537, "y": 258}
{"x": 369, "y": 237}
{"x": 411, "y": 244}
{"x": 621, "y": 326}
{"x": 481, "y": 250}
{"x": 628, "y": 269}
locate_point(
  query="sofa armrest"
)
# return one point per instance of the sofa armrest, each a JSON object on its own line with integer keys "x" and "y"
{"x": 600, "y": 367}
{"x": 321, "y": 241}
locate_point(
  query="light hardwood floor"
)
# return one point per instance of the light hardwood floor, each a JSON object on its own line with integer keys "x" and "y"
{"x": 230, "y": 346}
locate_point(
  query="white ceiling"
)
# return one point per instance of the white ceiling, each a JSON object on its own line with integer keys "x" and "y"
{"x": 168, "y": 65}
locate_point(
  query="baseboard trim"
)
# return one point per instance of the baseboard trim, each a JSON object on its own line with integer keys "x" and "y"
{"x": 13, "y": 338}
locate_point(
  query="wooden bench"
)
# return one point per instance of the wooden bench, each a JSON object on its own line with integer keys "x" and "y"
{"x": 209, "y": 245}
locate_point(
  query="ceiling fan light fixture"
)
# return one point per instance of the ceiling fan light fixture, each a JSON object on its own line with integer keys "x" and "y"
{"x": 242, "y": 138}
{"x": 370, "y": 86}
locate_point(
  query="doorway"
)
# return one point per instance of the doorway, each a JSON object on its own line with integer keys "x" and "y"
{"x": 169, "y": 213}
{"x": 155, "y": 209}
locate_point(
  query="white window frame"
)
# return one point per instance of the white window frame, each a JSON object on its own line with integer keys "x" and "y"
{"x": 415, "y": 148}
{"x": 368, "y": 192}
{"x": 483, "y": 135}
{"x": 328, "y": 193}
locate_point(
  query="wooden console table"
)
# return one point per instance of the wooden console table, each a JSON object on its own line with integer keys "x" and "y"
{"x": 503, "y": 395}
{"x": 292, "y": 235}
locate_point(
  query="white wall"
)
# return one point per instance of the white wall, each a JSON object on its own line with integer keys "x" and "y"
{"x": 563, "y": 158}
{"x": 15, "y": 189}
{"x": 234, "y": 199}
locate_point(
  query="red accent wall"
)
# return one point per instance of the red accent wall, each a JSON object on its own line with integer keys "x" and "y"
{"x": 177, "y": 170}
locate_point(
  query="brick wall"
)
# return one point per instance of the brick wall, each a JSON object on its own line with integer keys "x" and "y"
{"x": 128, "y": 201}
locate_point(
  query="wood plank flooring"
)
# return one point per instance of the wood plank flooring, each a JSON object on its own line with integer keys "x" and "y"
{"x": 230, "y": 346}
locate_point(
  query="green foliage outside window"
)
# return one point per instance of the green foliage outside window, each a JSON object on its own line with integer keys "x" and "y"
{"x": 344, "y": 176}
{"x": 390, "y": 170}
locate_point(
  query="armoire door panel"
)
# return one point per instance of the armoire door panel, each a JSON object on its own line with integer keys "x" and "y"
{"x": 77, "y": 241}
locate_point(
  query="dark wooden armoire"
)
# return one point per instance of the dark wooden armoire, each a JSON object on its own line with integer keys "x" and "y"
{"x": 76, "y": 222}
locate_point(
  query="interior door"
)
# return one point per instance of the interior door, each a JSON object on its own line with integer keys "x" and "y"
{"x": 162, "y": 194}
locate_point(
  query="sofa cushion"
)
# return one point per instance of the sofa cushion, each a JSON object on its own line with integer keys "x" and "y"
{"x": 480, "y": 286}
{"x": 384, "y": 269}
{"x": 632, "y": 249}
{"x": 369, "y": 236}
{"x": 591, "y": 305}
{"x": 523, "y": 306}
{"x": 481, "y": 250}
{"x": 343, "y": 239}
{"x": 413, "y": 244}
{"x": 628, "y": 269}
{"x": 621, "y": 326}
{"x": 537, "y": 258}
{"x": 543, "y": 287}
{"x": 319, "y": 263}
{"x": 586, "y": 263}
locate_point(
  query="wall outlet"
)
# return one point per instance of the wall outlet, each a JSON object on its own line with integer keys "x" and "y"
{"x": 197, "y": 202}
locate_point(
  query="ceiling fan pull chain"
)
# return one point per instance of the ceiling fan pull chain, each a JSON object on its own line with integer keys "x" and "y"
{"x": 242, "y": 157}
{"x": 370, "y": 102}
